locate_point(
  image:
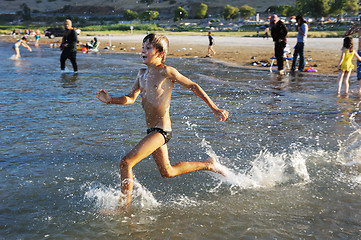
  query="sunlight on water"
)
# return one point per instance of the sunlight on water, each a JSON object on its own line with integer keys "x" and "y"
{"x": 350, "y": 149}
{"x": 108, "y": 197}
{"x": 290, "y": 150}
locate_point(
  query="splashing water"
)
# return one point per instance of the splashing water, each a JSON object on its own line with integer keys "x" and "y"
{"x": 350, "y": 149}
{"x": 267, "y": 170}
{"x": 108, "y": 197}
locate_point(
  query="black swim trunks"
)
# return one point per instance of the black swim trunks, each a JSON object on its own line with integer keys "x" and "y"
{"x": 167, "y": 135}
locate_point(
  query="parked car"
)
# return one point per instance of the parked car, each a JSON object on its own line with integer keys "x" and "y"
{"x": 54, "y": 32}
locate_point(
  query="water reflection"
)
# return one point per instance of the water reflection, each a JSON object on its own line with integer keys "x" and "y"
{"x": 280, "y": 82}
{"x": 68, "y": 80}
{"x": 346, "y": 107}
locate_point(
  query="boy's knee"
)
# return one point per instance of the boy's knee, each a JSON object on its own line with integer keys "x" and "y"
{"x": 124, "y": 163}
{"x": 167, "y": 173}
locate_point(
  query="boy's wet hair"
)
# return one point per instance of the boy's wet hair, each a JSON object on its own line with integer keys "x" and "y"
{"x": 159, "y": 42}
{"x": 348, "y": 43}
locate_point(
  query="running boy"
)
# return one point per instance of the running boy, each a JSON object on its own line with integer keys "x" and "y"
{"x": 155, "y": 84}
{"x": 17, "y": 44}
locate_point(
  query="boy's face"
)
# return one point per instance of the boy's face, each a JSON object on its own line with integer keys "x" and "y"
{"x": 150, "y": 54}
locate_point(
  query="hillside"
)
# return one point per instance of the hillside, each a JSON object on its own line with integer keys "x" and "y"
{"x": 97, "y": 7}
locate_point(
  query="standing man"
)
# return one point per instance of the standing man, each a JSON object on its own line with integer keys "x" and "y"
{"x": 302, "y": 29}
{"x": 357, "y": 29}
{"x": 279, "y": 33}
{"x": 68, "y": 46}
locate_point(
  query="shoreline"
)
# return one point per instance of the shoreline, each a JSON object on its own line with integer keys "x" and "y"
{"x": 320, "y": 53}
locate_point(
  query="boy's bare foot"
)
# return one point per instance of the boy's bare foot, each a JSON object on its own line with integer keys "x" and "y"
{"x": 108, "y": 212}
{"x": 214, "y": 166}
{"x": 114, "y": 211}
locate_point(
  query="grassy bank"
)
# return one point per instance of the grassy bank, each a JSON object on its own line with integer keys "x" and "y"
{"x": 124, "y": 29}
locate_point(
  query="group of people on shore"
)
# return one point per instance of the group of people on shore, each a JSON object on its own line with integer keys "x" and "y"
{"x": 279, "y": 35}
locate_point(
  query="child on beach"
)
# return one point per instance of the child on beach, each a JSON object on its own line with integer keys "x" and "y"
{"x": 17, "y": 44}
{"x": 37, "y": 37}
{"x": 345, "y": 65}
{"x": 210, "y": 45}
{"x": 155, "y": 84}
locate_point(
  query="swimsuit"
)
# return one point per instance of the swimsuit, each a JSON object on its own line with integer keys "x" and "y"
{"x": 14, "y": 45}
{"x": 167, "y": 135}
{"x": 210, "y": 38}
{"x": 346, "y": 64}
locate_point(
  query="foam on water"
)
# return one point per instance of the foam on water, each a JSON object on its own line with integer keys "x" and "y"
{"x": 266, "y": 170}
{"x": 349, "y": 153}
{"x": 108, "y": 197}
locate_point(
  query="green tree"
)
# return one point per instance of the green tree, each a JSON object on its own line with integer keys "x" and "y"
{"x": 148, "y": 15}
{"x": 338, "y": 7}
{"x": 179, "y": 14}
{"x": 314, "y": 8}
{"x": 230, "y": 12}
{"x": 247, "y": 11}
{"x": 202, "y": 11}
{"x": 352, "y": 7}
{"x": 130, "y": 15}
{"x": 287, "y": 10}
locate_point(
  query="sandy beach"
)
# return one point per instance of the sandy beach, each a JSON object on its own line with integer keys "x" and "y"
{"x": 321, "y": 53}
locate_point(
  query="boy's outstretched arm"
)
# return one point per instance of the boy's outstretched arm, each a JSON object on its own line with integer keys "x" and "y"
{"x": 221, "y": 114}
{"x": 130, "y": 98}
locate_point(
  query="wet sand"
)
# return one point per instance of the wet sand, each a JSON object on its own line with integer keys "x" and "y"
{"x": 321, "y": 53}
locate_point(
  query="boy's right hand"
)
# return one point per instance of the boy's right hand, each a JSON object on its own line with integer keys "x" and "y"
{"x": 221, "y": 114}
{"x": 103, "y": 96}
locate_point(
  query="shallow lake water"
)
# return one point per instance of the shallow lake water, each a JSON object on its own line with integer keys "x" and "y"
{"x": 291, "y": 148}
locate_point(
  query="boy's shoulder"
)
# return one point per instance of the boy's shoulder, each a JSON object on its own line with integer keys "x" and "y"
{"x": 168, "y": 71}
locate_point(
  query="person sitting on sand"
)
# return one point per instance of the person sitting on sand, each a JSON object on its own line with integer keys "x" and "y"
{"x": 155, "y": 84}
{"x": 345, "y": 65}
{"x": 17, "y": 44}
{"x": 93, "y": 44}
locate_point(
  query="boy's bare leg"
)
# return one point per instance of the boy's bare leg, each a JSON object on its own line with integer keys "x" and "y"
{"x": 167, "y": 170}
{"x": 154, "y": 143}
{"x": 143, "y": 149}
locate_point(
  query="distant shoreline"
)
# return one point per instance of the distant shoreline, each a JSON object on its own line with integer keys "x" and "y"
{"x": 322, "y": 53}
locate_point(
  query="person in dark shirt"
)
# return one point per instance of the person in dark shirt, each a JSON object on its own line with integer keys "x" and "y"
{"x": 210, "y": 45}
{"x": 279, "y": 35}
{"x": 68, "y": 46}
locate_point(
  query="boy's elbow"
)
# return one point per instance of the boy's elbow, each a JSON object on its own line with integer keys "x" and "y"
{"x": 128, "y": 100}
{"x": 194, "y": 87}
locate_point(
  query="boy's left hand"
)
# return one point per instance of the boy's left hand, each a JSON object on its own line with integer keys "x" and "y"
{"x": 221, "y": 114}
